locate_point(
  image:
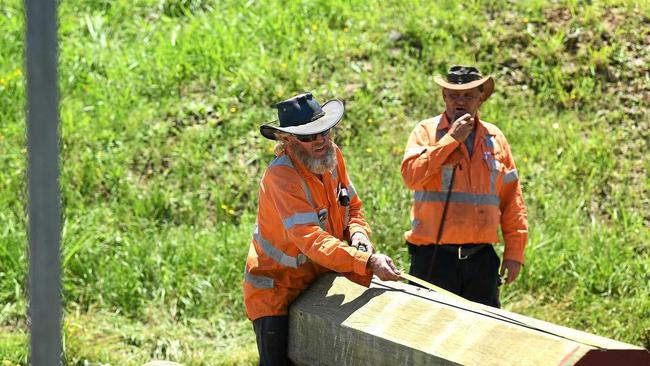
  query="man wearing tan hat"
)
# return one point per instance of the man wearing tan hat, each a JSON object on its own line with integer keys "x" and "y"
{"x": 309, "y": 222}
{"x": 465, "y": 187}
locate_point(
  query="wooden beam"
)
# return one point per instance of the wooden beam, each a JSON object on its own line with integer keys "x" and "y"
{"x": 337, "y": 322}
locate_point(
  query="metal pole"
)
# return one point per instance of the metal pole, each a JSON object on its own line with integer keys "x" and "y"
{"x": 43, "y": 183}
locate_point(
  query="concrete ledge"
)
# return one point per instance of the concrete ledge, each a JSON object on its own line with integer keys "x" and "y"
{"x": 337, "y": 322}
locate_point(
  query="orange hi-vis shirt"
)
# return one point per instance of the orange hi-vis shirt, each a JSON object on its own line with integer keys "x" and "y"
{"x": 300, "y": 233}
{"x": 486, "y": 192}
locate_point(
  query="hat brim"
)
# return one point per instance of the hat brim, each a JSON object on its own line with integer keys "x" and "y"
{"x": 333, "y": 110}
{"x": 487, "y": 81}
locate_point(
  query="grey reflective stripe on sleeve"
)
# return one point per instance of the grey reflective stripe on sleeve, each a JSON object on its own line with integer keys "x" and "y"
{"x": 276, "y": 254}
{"x": 258, "y": 281}
{"x": 436, "y": 122}
{"x": 510, "y": 176}
{"x": 414, "y": 224}
{"x": 300, "y": 218}
{"x": 351, "y": 191}
{"x": 335, "y": 173}
{"x": 284, "y": 160}
{"x": 458, "y": 197}
{"x": 446, "y": 176}
{"x": 414, "y": 151}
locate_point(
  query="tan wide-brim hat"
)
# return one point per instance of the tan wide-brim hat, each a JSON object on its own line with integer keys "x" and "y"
{"x": 461, "y": 77}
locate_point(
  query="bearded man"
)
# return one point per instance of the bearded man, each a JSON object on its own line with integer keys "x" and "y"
{"x": 309, "y": 222}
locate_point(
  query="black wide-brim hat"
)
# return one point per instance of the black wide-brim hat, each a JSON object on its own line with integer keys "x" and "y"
{"x": 302, "y": 115}
{"x": 461, "y": 77}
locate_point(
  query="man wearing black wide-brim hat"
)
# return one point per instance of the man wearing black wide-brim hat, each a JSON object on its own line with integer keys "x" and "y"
{"x": 465, "y": 187}
{"x": 309, "y": 222}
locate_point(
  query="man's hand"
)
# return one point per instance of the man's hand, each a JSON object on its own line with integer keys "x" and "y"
{"x": 361, "y": 238}
{"x": 462, "y": 127}
{"x": 382, "y": 266}
{"x": 513, "y": 268}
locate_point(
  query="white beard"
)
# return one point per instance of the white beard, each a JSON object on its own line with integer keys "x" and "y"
{"x": 316, "y": 165}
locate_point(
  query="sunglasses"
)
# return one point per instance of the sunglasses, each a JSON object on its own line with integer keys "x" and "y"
{"x": 312, "y": 137}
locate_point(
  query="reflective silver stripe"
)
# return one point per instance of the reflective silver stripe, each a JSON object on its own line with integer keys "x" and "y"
{"x": 510, "y": 176}
{"x": 493, "y": 175}
{"x": 335, "y": 173}
{"x": 458, "y": 197}
{"x": 305, "y": 188}
{"x": 494, "y": 163}
{"x": 489, "y": 141}
{"x": 446, "y": 176}
{"x": 258, "y": 281}
{"x": 414, "y": 224}
{"x": 276, "y": 254}
{"x": 300, "y": 218}
{"x": 351, "y": 191}
{"x": 282, "y": 160}
{"x": 414, "y": 151}
{"x": 436, "y": 122}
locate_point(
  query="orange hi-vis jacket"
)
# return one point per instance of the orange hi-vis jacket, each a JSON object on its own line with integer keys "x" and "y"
{"x": 300, "y": 233}
{"x": 486, "y": 192}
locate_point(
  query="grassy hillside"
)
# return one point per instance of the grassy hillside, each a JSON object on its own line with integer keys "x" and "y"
{"x": 160, "y": 154}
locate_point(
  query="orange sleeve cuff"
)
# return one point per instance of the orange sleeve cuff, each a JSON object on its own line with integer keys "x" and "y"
{"x": 361, "y": 262}
{"x": 515, "y": 253}
{"x": 447, "y": 139}
{"x": 357, "y": 229}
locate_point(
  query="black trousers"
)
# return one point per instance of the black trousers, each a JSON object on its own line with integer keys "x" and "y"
{"x": 272, "y": 335}
{"x": 475, "y": 278}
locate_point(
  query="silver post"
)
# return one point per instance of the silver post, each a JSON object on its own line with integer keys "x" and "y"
{"x": 43, "y": 184}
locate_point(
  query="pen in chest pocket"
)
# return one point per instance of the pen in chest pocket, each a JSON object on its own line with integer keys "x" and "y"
{"x": 490, "y": 160}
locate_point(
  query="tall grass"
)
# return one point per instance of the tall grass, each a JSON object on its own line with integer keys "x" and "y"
{"x": 161, "y": 158}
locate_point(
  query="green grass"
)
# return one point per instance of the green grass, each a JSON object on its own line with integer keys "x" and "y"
{"x": 161, "y": 158}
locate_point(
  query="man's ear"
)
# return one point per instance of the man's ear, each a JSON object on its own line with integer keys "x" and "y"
{"x": 284, "y": 138}
{"x": 484, "y": 96}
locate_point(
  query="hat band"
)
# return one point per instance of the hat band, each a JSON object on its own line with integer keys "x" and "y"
{"x": 317, "y": 116}
{"x": 294, "y": 123}
{"x": 462, "y": 79}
